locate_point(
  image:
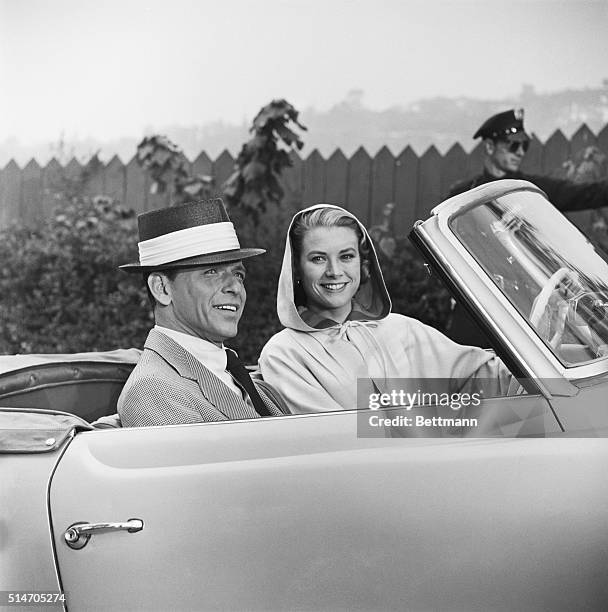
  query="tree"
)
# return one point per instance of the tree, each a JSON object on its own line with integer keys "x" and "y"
{"x": 167, "y": 166}
{"x": 255, "y": 181}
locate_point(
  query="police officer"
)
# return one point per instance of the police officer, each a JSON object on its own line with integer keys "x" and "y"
{"x": 505, "y": 143}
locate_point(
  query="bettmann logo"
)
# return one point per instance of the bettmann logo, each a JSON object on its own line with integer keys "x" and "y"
{"x": 375, "y": 420}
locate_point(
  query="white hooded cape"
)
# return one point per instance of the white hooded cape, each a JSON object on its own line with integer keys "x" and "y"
{"x": 316, "y": 370}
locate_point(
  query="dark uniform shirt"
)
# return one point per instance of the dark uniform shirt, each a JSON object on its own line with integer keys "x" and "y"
{"x": 565, "y": 195}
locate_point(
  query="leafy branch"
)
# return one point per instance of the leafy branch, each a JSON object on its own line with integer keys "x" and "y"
{"x": 255, "y": 181}
{"x": 166, "y": 164}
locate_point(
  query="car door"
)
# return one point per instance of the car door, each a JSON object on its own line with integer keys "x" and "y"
{"x": 301, "y": 512}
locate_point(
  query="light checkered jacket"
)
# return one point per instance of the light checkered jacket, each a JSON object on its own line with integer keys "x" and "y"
{"x": 169, "y": 386}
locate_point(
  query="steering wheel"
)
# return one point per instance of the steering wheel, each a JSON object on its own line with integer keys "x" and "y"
{"x": 541, "y": 302}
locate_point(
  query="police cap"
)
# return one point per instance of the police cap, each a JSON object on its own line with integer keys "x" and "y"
{"x": 503, "y": 125}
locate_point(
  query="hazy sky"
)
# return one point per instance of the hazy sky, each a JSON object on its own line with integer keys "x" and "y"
{"x": 108, "y": 68}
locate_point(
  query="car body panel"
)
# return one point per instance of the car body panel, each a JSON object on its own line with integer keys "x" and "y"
{"x": 299, "y": 513}
{"x": 588, "y": 414}
{"x": 26, "y": 547}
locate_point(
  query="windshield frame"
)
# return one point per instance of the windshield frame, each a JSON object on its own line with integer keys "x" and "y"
{"x": 458, "y": 205}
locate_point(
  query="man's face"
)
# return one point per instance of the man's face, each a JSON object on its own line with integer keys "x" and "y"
{"x": 208, "y": 301}
{"x": 505, "y": 156}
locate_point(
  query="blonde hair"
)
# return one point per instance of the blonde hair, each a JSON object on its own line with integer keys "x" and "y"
{"x": 325, "y": 217}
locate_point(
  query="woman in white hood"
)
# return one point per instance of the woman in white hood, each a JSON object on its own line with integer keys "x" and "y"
{"x": 339, "y": 327}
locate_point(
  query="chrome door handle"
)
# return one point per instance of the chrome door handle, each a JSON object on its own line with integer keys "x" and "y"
{"x": 77, "y": 535}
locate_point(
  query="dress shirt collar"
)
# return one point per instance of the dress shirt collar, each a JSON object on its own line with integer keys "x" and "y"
{"x": 213, "y": 357}
{"x": 209, "y": 354}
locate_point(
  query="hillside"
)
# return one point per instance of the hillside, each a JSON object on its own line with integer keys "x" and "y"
{"x": 350, "y": 123}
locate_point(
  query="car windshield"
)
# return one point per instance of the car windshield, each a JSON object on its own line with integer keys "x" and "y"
{"x": 547, "y": 269}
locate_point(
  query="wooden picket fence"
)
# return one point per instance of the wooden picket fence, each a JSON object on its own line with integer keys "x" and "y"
{"x": 363, "y": 184}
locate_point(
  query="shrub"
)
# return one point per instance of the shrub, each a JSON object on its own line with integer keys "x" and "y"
{"x": 60, "y": 287}
{"x": 414, "y": 291}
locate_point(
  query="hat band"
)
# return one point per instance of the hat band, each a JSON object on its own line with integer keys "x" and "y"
{"x": 189, "y": 242}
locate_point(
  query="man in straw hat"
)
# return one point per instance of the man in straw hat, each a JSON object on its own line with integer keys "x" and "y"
{"x": 192, "y": 263}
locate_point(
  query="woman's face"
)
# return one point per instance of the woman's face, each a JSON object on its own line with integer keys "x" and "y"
{"x": 330, "y": 270}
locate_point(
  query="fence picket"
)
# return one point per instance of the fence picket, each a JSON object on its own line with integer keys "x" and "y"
{"x": 313, "y": 176}
{"x": 336, "y": 178}
{"x": 31, "y": 193}
{"x": 429, "y": 182}
{"x": 10, "y": 192}
{"x": 406, "y": 191}
{"x": 581, "y": 139}
{"x": 223, "y": 167}
{"x": 602, "y": 139}
{"x": 135, "y": 187}
{"x": 94, "y": 171}
{"x": 383, "y": 183}
{"x": 454, "y": 168}
{"x": 52, "y": 178}
{"x": 359, "y": 178}
{"x": 73, "y": 171}
{"x": 202, "y": 165}
{"x": 475, "y": 161}
{"x": 555, "y": 152}
{"x": 114, "y": 180}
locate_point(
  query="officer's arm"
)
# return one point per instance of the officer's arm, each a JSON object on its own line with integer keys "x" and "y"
{"x": 567, "y": 196}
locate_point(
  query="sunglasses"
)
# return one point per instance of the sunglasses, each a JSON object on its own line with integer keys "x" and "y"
{"x": 513, "y": 145}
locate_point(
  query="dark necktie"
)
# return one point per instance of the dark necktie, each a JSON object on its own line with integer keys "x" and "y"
{"x": 235, "y": 366}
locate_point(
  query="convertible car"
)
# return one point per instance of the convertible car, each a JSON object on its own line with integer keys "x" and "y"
{"x": 330, "y": 511}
